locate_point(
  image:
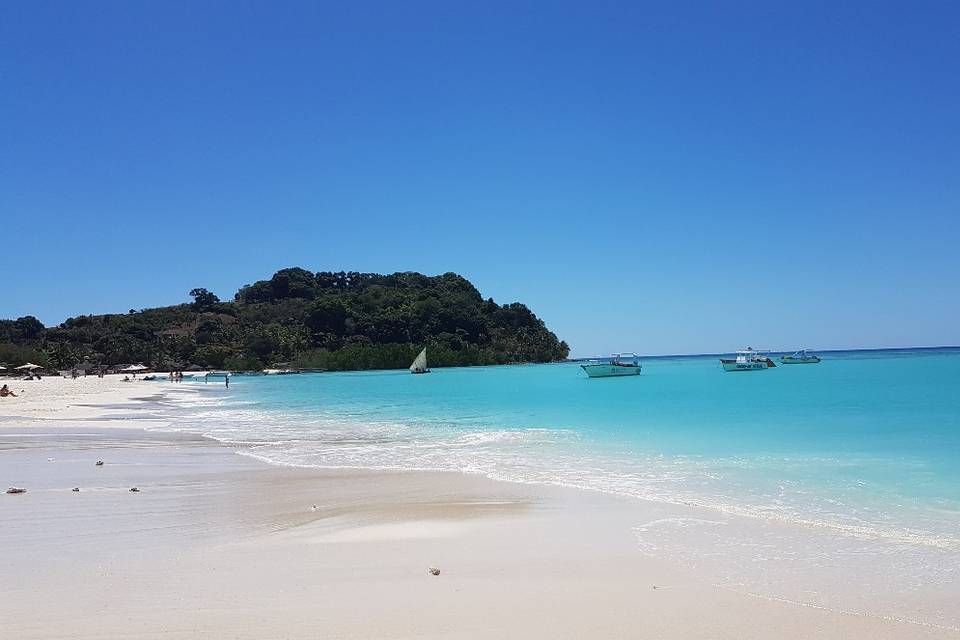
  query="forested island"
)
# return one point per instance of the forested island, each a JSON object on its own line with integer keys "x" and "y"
{"x": 325, "y": 320}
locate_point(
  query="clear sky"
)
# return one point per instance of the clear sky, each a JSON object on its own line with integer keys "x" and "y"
{"x": 661, "y": 177}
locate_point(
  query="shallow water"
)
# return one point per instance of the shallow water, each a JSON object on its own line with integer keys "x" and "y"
{"x": 862, "y": 448}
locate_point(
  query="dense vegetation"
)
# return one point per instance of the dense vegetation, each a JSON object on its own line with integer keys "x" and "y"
{"x": 314, "y": 320}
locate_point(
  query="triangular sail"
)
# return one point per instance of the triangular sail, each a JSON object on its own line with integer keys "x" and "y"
{"x": 420, "y": 363}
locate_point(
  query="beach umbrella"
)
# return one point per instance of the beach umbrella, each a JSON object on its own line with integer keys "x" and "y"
{"x": 2, "y": 368}
{"x": 30, "y": 366}
{"x": 134, "y": 367}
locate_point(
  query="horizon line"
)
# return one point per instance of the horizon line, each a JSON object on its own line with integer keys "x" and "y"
{"x": 721, "y": 353}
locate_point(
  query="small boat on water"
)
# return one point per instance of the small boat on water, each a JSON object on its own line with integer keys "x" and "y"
{"x": 420, "y": 363}
{"x": 801, "y": 357}
{"x": 195, "y": 375}
{"x": 619, "y": 365}
{"x": 748, "y": 360}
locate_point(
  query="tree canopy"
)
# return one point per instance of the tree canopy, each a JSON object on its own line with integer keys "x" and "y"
{"x": 203, "y": 299}
{"x": 330, "y": 320}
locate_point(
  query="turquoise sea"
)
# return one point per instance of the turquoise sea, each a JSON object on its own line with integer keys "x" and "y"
{"x": 866, "y": 444}
{"x": 833, "y": 485}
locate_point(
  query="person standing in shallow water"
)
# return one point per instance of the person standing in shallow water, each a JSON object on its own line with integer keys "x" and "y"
{"x": 226, "y": 381}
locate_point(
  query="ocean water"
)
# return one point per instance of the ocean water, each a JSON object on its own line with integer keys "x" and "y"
{"x": 863, "y": 448}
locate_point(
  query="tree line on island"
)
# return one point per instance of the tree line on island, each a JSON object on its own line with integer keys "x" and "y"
{"x": 325, "y": 320}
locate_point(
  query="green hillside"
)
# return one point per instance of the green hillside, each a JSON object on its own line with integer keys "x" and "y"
{"x": 334, "y": 321}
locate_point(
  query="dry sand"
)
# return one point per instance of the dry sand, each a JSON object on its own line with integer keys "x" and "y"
{"x": 218, "y": 545}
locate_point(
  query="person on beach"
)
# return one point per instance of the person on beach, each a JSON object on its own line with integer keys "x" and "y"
{"x": 4, "y": 392}
{"x": 226, "y": 381}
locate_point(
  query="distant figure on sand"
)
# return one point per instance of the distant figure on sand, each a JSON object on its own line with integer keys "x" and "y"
{"x": 4, "y": 392}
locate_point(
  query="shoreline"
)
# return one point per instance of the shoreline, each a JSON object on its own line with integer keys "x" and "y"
{"x": 555, "y": 561}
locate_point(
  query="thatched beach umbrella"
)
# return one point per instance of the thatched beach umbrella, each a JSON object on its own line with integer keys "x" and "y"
{"x": 135, "y": 368}
{"x": 30, "y": 366}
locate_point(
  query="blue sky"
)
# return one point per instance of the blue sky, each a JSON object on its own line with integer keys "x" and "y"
{"x": 663, "y": 177}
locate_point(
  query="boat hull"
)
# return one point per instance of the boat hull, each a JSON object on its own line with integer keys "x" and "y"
{"x": 789, "y": 360}
{"x": 732, "y": 365}
{"x": 609, "y": 370}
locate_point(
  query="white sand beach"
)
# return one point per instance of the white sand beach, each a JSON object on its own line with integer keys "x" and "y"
{"x": 219, "y": 545}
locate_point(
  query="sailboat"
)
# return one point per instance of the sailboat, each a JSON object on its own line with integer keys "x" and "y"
{"x": 420, "y": 363}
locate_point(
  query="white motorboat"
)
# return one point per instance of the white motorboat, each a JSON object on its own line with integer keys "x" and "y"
{"x": 620, "y": 365}
{"x": 748, "y": 360}
{"x": 801, "y": 357}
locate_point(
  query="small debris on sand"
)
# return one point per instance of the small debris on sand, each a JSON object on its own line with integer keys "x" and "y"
{"x": 99, "y": 463}
{"x": 434, "y": 571}
{"x": 134, "y": 490}
{"x": 16, "y": 490}
{"x": 313, "y": 508}
{"x": 75, "y": 489}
